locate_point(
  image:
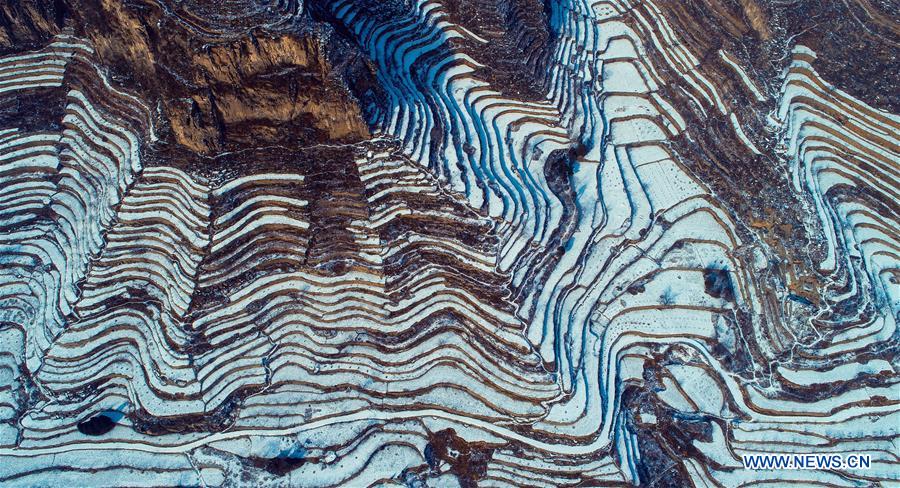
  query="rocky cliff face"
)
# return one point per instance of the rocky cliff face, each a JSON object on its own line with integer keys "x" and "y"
{"x": 447, "y": 242}
{"x": 216, "y": 78}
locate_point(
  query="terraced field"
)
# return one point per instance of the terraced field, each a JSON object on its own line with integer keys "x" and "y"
{"x": 448, "y": 242}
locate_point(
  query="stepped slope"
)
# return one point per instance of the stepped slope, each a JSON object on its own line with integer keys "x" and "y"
{"x": 448, "y": 242}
